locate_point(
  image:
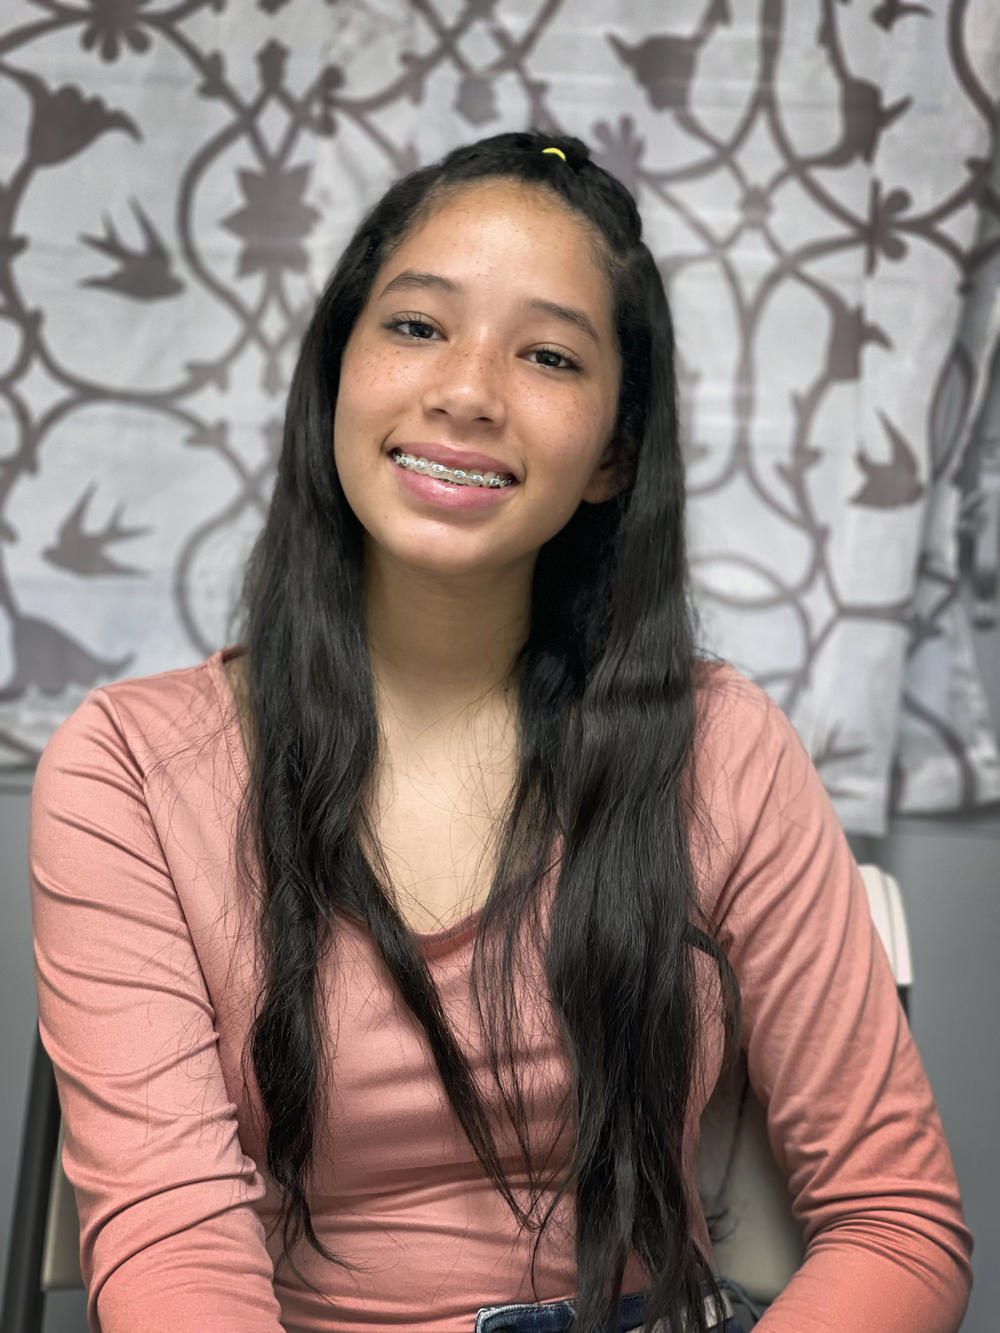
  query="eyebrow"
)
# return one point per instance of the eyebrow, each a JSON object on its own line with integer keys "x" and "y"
{"x": 567, "y": 313}
{"x": 411, "y": 280}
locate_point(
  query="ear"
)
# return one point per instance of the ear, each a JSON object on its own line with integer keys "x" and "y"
{"x": 609, "y": 477}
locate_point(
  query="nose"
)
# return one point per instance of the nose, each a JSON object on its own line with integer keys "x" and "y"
{"x": 467, "y": 384}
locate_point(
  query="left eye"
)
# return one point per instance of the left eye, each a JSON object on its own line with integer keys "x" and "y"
{"x": 553, "y": 360}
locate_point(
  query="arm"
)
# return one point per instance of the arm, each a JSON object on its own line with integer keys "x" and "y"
{"x": 169, "y": 1235}
{"x": 850, "y": 1114}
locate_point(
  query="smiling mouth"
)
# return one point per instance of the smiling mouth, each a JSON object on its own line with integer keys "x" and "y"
{"x": 451, "y": 476}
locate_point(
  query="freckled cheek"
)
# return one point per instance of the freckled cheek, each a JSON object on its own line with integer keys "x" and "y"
{"x": 353, "y": 428}
{"x": 368, "y": 375}
{"x": 573, "y": 435}
{"x": 371, "y": 391}
{"x": 558, "y": 416}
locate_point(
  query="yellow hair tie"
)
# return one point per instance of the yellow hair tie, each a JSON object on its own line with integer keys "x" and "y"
{"x": 558, "y": 152}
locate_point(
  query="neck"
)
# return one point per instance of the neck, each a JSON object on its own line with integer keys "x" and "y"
{"x": 440, "y": 643}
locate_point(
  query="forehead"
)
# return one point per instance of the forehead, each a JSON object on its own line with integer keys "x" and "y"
{"x": 510, "y": 234}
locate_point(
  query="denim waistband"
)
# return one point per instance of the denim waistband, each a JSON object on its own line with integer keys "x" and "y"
{"x": 554, "y": 1316}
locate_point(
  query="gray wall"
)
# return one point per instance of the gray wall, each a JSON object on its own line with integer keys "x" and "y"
{"x": 949, "y": 871}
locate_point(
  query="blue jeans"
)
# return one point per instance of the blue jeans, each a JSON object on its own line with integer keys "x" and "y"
{"x": 554, "y": 1317}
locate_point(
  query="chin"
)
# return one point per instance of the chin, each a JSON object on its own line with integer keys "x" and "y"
{"x": 440, "y": 556}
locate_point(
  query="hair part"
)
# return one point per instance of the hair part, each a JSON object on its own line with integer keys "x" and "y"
{"x": 606, "y": 722}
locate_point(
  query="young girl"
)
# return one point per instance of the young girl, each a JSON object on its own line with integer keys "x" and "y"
{"x": 388, "y": 962}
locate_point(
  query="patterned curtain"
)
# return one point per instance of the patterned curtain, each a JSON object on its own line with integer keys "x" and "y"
{"x": 821, "y": 187}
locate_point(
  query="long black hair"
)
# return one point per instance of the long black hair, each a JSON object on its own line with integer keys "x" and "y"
{"x": 606, "y": 724}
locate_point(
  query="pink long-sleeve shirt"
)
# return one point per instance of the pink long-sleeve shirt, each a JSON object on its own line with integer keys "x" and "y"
{"x": 145, "y": 980}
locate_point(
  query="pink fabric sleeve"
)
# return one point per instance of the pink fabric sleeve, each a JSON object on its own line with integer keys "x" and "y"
{"x": 169, "y": 1235}
{"x": 850, "y": 1113}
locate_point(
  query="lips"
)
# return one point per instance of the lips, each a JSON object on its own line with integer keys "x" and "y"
{"x": 453, "y": 457}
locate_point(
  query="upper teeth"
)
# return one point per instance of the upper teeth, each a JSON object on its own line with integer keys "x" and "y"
{"x": 457, "y": 476}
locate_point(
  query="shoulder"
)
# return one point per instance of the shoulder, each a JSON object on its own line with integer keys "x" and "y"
{"x": 739, "y": 728}
{"x": 135, "y": 726}
{"x": 722, "y": 692}
{"x": 751, "y": 772}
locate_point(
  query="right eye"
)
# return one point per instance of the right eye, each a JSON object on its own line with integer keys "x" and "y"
{"x": 411, "y": 326}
